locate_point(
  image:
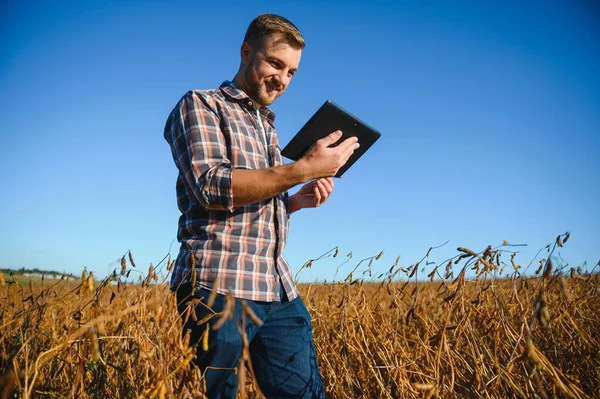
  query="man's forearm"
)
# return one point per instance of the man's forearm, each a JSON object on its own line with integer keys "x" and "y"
{"x": 250, "y": 186}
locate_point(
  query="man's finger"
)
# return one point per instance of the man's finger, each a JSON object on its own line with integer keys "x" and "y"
{"x": 350, "y": 150}
{"x": 328, "y": 184}
{"x": 323, "y": 190}
{"x": 330, "y": 181}
{"x": 317, "y": 194}
{"x": 347, "y": 158}
{"x": 331, "y": 138}
{"x": 349, "y": 143}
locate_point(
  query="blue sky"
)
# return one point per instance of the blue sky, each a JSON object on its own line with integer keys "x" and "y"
{"x": 489, "y": 113}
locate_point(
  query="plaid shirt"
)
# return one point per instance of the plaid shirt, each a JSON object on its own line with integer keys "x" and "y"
{"x": 211, "y": 132}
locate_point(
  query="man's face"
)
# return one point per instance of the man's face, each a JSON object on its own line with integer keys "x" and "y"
{"x": 269, "y": 70}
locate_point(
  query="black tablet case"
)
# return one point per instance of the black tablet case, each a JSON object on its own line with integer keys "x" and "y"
{"x": 329, "y": 118}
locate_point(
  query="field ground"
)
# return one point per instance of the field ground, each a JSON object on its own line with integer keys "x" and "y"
{"x": 453, "y": 337}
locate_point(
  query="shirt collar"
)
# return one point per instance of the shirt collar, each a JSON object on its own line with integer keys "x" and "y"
{"x": 233, "y": 92}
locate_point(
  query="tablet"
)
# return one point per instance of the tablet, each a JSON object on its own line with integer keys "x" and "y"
{"x": 329, "y": 118}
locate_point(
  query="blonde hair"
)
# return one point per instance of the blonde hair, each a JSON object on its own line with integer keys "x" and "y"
{"x": 266, "y": 24}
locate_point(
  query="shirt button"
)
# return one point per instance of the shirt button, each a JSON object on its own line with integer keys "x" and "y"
{"x": 250, "y": 103}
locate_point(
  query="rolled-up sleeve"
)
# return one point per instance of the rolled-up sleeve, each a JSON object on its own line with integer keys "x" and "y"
{"x": 200, "y": 151}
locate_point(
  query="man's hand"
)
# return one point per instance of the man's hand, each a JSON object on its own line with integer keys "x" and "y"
{"x": 312, "y": 194}
{"x": 320, "y": 160}
{"x": 250, "y": 186}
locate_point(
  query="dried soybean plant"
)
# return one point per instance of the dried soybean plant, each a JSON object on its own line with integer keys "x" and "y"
{"x": 106, "y": 339}
{"x": 476, "y": 327}
{"x": 86, "y": 339}
{"x": 470, "y": 326}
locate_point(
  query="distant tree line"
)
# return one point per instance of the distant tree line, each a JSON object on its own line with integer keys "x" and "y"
{"x": 34, "y": 270}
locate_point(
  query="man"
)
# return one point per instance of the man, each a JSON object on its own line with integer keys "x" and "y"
{"x": 232, "y": 193}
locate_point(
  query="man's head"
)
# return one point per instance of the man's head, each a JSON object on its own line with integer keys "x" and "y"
{"x": 270, "y": 56}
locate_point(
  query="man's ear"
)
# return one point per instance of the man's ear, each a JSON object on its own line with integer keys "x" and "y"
{"x": 245, "y": 53}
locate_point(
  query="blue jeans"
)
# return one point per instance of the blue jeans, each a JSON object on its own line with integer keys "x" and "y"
{"x": 282, "y": 350}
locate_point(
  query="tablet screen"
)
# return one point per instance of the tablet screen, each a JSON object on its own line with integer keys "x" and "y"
{"x": 329, "y": 118}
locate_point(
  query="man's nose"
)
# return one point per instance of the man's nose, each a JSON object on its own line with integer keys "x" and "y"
{"x": 283, "y": 79}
